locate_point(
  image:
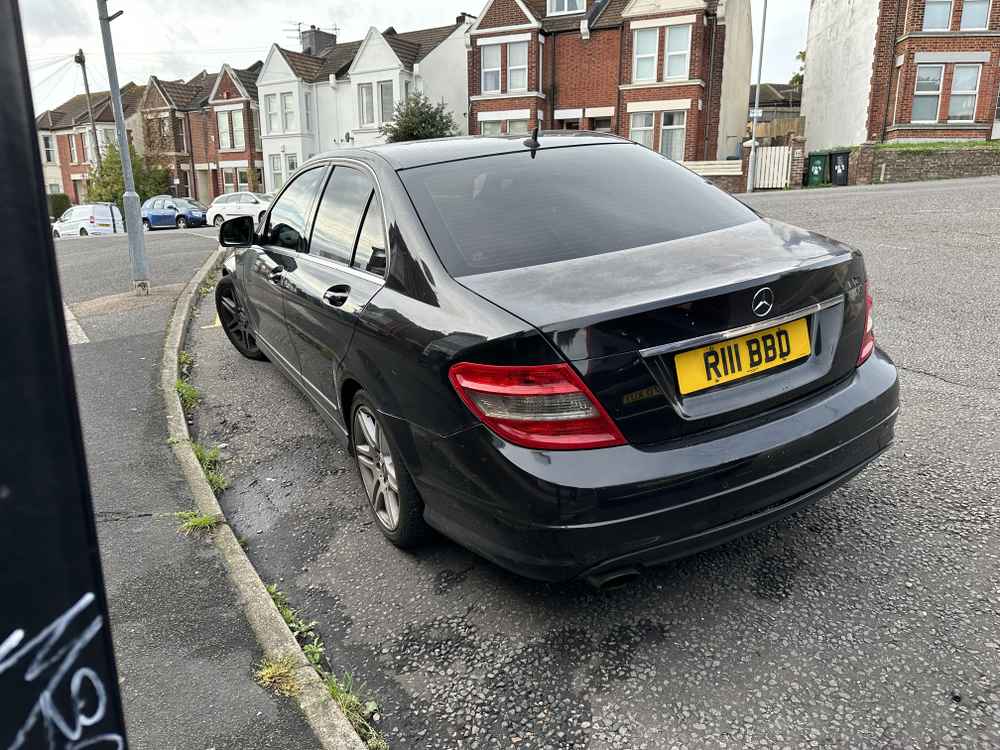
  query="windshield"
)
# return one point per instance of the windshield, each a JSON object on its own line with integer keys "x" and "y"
{"x": 266, "y": 197}
{"x": 565, "y": 202}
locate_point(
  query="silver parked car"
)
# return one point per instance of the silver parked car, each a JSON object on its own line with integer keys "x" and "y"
{"x": 231, "y": 205}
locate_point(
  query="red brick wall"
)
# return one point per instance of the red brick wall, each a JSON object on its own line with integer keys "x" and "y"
{"x": 586, "y": 70}
{"x": 493, "y": 105}
{"x": 503, "y": 13}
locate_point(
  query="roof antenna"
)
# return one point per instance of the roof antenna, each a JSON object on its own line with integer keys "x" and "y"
{"x": 532, "y": 142}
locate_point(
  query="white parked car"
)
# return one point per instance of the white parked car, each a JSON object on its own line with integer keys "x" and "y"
{"x": 88, "y": 219}
{"x": 231, "y": 205}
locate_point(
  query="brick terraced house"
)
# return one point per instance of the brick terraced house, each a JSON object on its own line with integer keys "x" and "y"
{"x": 206, "y": 132}
{"x": 670, "y": 74}
{"x": 66, "y": 141}
{"x": 901, "y": 69}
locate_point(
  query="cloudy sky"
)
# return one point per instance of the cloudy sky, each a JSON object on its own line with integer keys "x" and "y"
{"x": 178, "y": 38}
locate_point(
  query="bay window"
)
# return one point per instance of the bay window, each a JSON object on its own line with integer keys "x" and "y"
{"x": 50, "y": 151}
{"x": 228, "y": 180}
{"x": 490, "y": 56}
{"x": 646, "y": 47}
{"x": 927, "y": 94}
{"x": 277, "y": 176}
{"x": 73, "y": 156}
{"x": 385, "y": 99}
{"x": 937, "y": 15}
{"x": 964, "y": 93}
{"x": 307, "y": 105}
{"x": 366, "y": 105}
{"x": 243, "y": 179}
{"x": 489, "y": 128}
{"x": 678, "y": 57}
{"x": 517, "y": 126}
{"x": 225, "y": 139}
{"x": 292, "y": 162}
{"x": 288, "y": 122}
{"x": 672, "y": 133}
{"x": 271, "y": 112}
{"x": 641, "y": 130}
{"x": 517, "y": 66}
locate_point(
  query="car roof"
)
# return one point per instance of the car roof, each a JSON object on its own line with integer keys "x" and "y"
{"x": 409, "y": 154}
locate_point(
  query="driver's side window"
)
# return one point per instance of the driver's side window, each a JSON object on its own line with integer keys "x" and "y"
{"x": 158, "y": 204}
{"x": 286, "y": 226}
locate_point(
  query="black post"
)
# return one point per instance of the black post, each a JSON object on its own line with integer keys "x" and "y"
{"x": 58, "y": 681}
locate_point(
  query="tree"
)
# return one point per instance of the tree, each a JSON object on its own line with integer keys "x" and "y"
{"x": 799, "y": 77}
{"x": 107, "y": 184}
{"x": 417, "y": 119}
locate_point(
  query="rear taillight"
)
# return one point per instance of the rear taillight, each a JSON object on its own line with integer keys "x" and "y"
{"x": 535, "y": 406}
{"x": 868, "y": 340}
{"x": 91, "y": 219}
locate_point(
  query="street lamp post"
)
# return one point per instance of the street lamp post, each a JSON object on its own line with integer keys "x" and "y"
{"x": 133, "y": 217}
{"x": 756, "y": 105}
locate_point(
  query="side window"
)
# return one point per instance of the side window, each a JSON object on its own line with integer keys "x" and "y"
{"x": 370, "y": 255}
{"x": 340, "y": 213}
{"x": 158, "y": 204}
{"x": 67, "y": 215}
{"x": 286, "y": 226}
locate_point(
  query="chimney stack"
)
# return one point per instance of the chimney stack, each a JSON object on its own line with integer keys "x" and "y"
{"x": 315, "y": 40}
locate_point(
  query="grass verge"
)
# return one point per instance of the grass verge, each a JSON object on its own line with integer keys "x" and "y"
{"x": 360, "y": 712}
{"x": 194, "y": 522}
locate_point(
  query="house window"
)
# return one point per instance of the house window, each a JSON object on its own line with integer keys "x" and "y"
{"x": 73, "y": 156}
{"x": 642, "y": 128}
{"x": 256, "y": 130}
{"x": 228, "y": 180}
{"x": 54, "y": 188}
{"x": 927, "y": 95}
{"x": 937, "y": 15}
{"x": 601, "y": 124}
{"x": 517, "y": 126}
{"x": 243, "y": 179}
{"x": 277, "y": 177}
{"x": 308, "y": 108}
{"x": 491, "y": 69}
{"x": 541, "y": 58}
{"x": 292, "y": 162}
{"x": 964, "y": 92}
{"x": 260, "y": 177}
{"x": 182, "y": 146}
{"x": 86, "y": 150}
{"x": 287, "y": 112}
{"x": 239, "y": 132}
{"x": 489, "y": 128}
{"x": 678, "y": 57}
{"x": 517, "y": 66}
{"x": 975, "y": 14}
{"x": 366, "y": 106}
{"x": 647, "y": 42}
{"x": 672, "y": 135}
{"x": 385, "y": 100}
{"x": 565, "y": 6}
{"x": 225, "y": 138}
{"x": 271, "y": 112}
{"x": 50, "y": 152}
{"x": 164, "y": 129}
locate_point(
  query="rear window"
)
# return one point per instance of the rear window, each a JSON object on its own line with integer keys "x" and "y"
{"x": 510, "y": 211}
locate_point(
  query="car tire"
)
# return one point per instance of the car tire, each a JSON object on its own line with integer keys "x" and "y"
{"x": 218, "y": 221}
{"x": 145, "y": 225}
{"x": 83, "y": 232}
{"x": 399, "y": 512}
{"x": 234, "y": 319}
{"x": 181, "y": 222}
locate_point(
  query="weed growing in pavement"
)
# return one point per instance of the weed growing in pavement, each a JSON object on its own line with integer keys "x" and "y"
{"x": 192, "y": 521}
{"x": 206, "y": 286}
{"x": 358, "y": 711}
{"x": 209, "y": 460}
{"x": 185, "y": 363}
{"x": 278, "y": 675}
{"x": 189, "y": 395}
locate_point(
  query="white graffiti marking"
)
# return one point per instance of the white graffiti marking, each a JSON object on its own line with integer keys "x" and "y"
{"x": 49, "y": 660}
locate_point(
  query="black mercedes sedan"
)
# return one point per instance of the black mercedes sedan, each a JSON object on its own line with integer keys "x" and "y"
{"x": 567, "y": 353}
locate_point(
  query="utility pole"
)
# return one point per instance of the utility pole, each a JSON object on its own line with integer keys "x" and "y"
{"x": 756, "y": 105}
{"x": 133, "y": 218}
{"x": 80, "y": 60}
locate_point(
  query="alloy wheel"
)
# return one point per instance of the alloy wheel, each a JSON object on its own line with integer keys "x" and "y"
{"x": 182, "y": 223}
{"x": 218, "y": 221}
{"x": 235, "y": 320}
{"x": 378, "y": 470}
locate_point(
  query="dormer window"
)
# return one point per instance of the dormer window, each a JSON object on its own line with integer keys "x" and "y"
{"x": 558, "y": 7}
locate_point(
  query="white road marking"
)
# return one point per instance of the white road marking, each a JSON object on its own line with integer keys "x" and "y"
{"x": 74, "y": 331}
{"x": 206, "y": 236}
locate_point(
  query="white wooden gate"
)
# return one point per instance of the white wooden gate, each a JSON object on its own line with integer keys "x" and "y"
{"x": 773, "y": 167}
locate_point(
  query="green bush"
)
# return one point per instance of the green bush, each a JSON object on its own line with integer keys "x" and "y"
{"x": 417, "y": 119}
{"x": 58, "y": 203}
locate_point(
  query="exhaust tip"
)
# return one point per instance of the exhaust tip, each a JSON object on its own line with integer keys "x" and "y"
{"x": 613, "y": 579}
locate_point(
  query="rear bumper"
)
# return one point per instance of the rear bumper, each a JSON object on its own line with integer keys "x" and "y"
{"x": 556, "y": 515}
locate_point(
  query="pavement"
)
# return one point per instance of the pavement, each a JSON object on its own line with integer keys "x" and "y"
{"x": 184, "y": 649}
{"x": 867, "y": 621}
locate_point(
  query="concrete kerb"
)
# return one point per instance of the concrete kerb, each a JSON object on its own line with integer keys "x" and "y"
{"x": 321, "y": 711}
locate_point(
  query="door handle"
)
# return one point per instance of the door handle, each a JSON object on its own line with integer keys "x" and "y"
{"x": 336, "y": 296}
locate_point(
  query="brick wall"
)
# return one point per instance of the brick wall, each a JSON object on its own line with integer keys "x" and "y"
{"x": 586, "y": 69}
{"x": 503, "y": 14}
{"x": 913, "y": 165}
{"x": 492, "y": 105}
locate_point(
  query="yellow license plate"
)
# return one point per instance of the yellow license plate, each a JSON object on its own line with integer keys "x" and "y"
{"x": 742, "y": 357}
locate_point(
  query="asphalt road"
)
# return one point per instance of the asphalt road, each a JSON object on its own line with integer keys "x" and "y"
{"x": 868, "y": 621}
{"x": 185, "y": 652}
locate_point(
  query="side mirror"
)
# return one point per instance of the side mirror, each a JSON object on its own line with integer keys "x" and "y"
{"x": 237, "y": 232}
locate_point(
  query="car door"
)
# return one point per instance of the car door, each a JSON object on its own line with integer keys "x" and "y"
{"x": 264, "y": 266}
{"x": 156, "y": 213}
{"x": 336, "y": 278}
{"x": 234, "y": 206}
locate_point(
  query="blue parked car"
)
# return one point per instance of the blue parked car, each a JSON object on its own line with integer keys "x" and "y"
{"x": 167, "y": 211}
